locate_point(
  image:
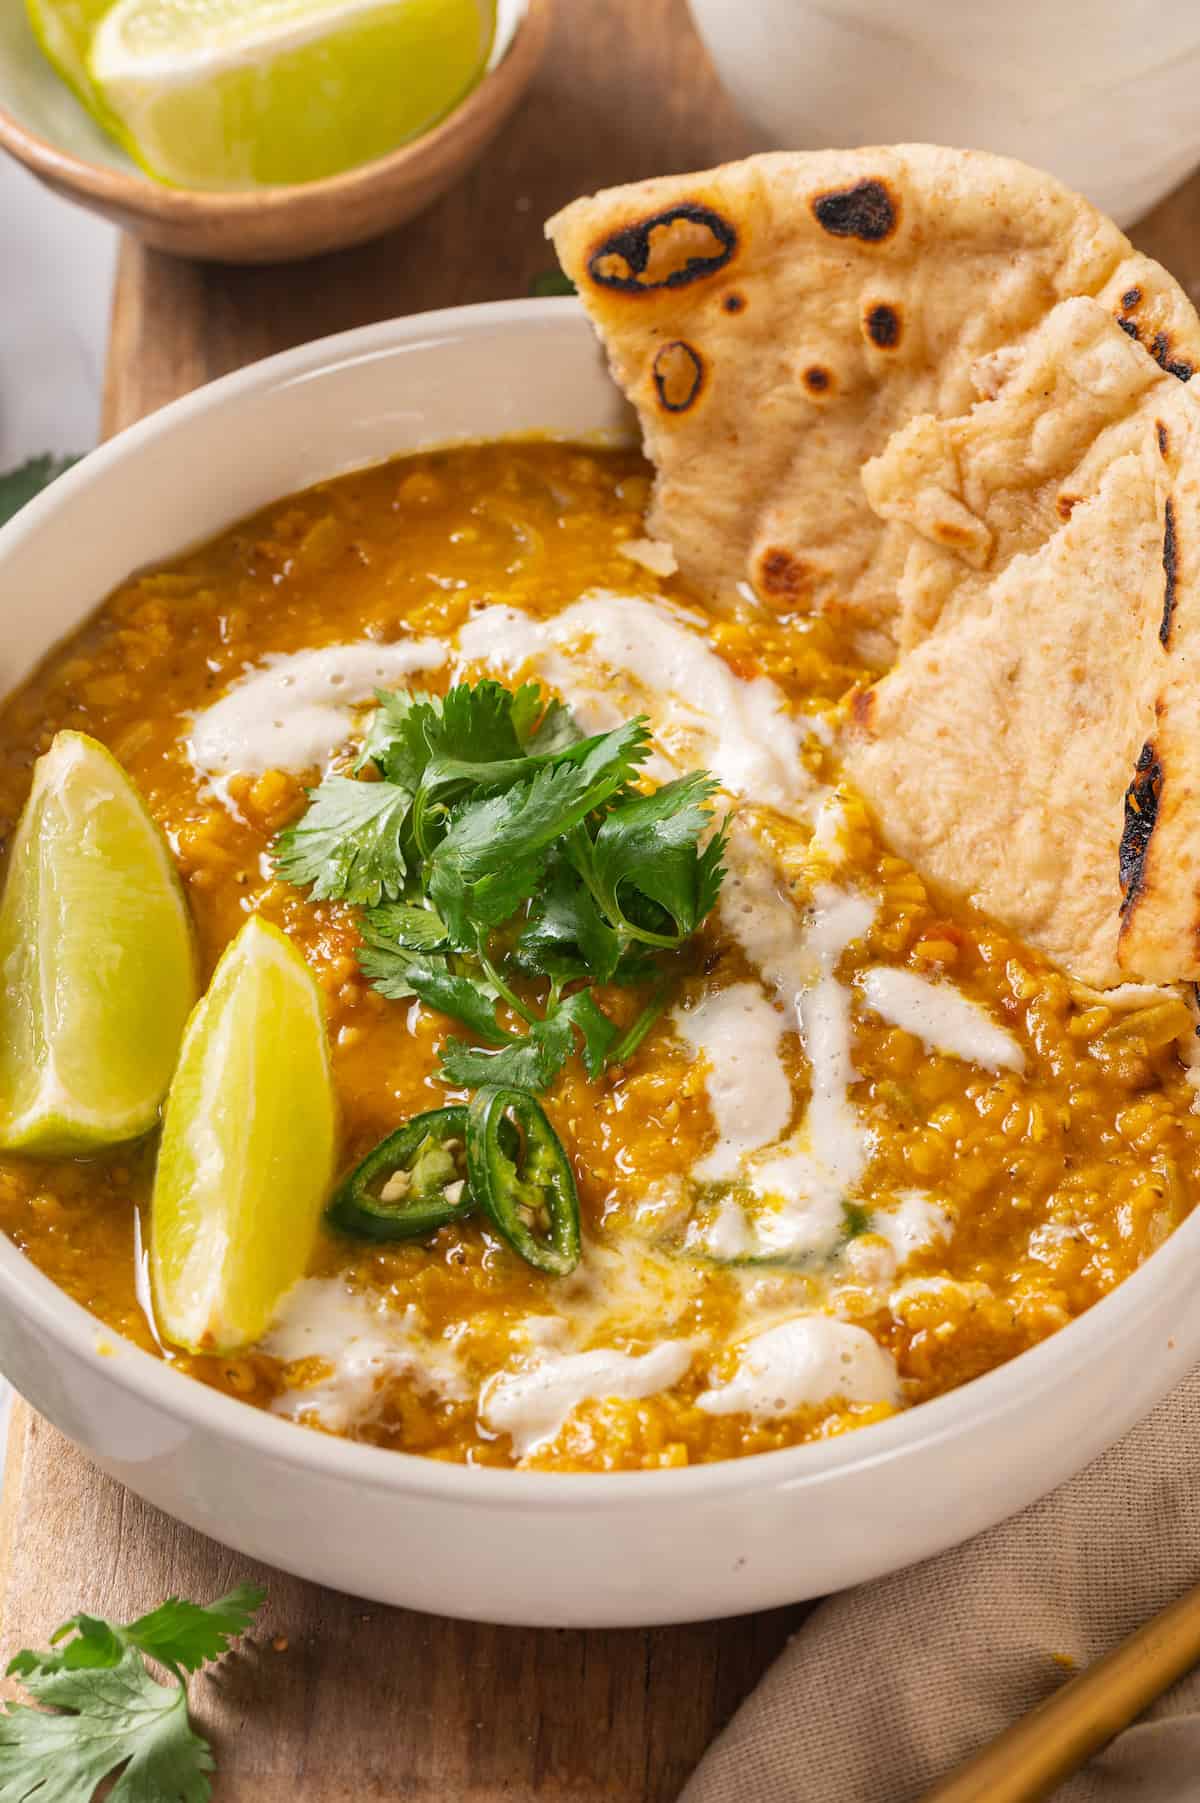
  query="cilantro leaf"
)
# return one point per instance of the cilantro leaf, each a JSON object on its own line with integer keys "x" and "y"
{"x": 104, "y": 1714}
{"x": 186, "y": 1635}
{"x": 178, "y": 1633}
{"x": 645, "y": 867}
{"x": 105, "y": 1718}
{"x": 534, "y": 1061}
{"x": 565, "y": 935}
{"x": 398, "y": 973}
{"x": 595, "y": 1029}
{"x": 491, "y": 836}
{"x": 348, "y": 845}
{"x": 398, "y": 735}
{"x": 474, "y": 723}
{"x": 556, "y": 731}
{"x": 531, "y": 1062}
{"x": 402, "y": 923}
{"x": 478, "y": 722}
{"x": 29, "y": 479}
{"x": 467, "y": 739}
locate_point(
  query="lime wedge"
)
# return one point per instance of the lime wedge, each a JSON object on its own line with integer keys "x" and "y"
{"x": 247, "y": 1148}
{"x": 64, "y": 29}
{"x": 97, "y": 963}
{"x": 242, "y": 93}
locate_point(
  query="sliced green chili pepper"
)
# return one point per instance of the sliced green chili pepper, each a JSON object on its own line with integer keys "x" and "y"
{"x": 413, "y": 1182}
{"x": 521, "y": 1178}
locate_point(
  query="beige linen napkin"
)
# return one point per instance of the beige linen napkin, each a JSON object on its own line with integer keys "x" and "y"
{"x": 888, "y": 1688}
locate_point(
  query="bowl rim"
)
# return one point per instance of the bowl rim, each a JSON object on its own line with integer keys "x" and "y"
{"x": 137, "y": 192}
{"x": 976, "y": 1407}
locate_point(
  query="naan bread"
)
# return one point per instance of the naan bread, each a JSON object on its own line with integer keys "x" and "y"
{"x": 936, "y": 393}
{"x": 974, "y": 492}
{"x": 1038, "y": 750}
{"x": 776, "y": 321}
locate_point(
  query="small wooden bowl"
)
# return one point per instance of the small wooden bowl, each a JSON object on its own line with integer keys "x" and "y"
{"x": 44, "y": 127}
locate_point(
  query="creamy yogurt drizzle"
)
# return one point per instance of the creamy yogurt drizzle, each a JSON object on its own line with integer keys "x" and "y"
{"x": 912, "y": 1223}
{"x": 291, "y": 711}
{"x": 533, "y": 1406}
{"x": 808, "y": 1175}
{"x": 948, "y": 1021}
{"x": 737, "y": 1030}
{"x": 701, "y": 712}
{"x": 363, "y": 1343}
{"x": 806, "y": 1361}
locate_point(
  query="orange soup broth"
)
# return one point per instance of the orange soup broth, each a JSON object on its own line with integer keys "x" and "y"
{"x": 1057, "y": 1184}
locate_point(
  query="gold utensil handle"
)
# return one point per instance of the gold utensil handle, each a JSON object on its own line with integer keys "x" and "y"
{"x": 1035, "y": 1755}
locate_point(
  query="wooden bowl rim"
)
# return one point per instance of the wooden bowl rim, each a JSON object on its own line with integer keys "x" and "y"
{"x": 139, "y": 193}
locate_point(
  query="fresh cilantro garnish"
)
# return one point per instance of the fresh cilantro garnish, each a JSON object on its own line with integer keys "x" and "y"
{"x": 348, "y": 845}
{"x": 29, "y": 479}
{"x": 493, "y": 857}
{"x": 493, "y": 842}
{"x": 645, "y": 867}
{"x": 103, "y": 1713}
{"x": 533, "y": 1060}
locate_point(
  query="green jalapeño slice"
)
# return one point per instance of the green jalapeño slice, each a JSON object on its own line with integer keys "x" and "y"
{"x": 412, "y": 1183}
{"x": 521, "y": 1178}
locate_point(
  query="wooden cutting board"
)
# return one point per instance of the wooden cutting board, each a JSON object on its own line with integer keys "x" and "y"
{"x": 366, "y": 1701}
{"x": 335, "y": 1699}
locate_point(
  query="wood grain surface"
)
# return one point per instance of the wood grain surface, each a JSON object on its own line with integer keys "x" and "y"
{"x": 335, "y": 1699}
{"x": 363, "y": 1701}
{"x": 625, "y": 91}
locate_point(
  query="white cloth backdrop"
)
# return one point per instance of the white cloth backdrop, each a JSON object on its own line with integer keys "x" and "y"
{"x": 56, "y": 271}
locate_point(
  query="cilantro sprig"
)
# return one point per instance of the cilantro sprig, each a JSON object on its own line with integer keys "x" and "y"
{"x": 488, "y": 840}
{"x": 102, "y": 1711}
{"x": 21, "y": 485}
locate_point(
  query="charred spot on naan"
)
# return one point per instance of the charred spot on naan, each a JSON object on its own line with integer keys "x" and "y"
{"x": 868, "y": 211}
{"x": 1158, "y": 343}
{"x": 1142, "y": 800}
{"x": 678, "y": 372}
{"x": 882, "y": 325}
{"x": 817, "y": 379}
{"x": 782, "y": 577}
{"x": 1170, "y": 558}
{"x": 1160, "y": 350}
{"x": 734, "y": 303}
{"x": 682, "y": 244}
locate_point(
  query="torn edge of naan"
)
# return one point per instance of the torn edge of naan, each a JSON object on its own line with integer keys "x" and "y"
{"x": 1037, "y": 748}
{"x": 777, "y": 320}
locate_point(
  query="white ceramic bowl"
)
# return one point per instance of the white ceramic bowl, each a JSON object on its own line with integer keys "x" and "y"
{"x": 536, "y": 1548}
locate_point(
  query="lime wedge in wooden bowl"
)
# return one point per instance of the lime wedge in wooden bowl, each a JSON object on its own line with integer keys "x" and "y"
{"x": 97, "y": 961}
{"x": 228, "y": 94}
{"x": 247, "y": 1150}
{"x": 64, "y": 29}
